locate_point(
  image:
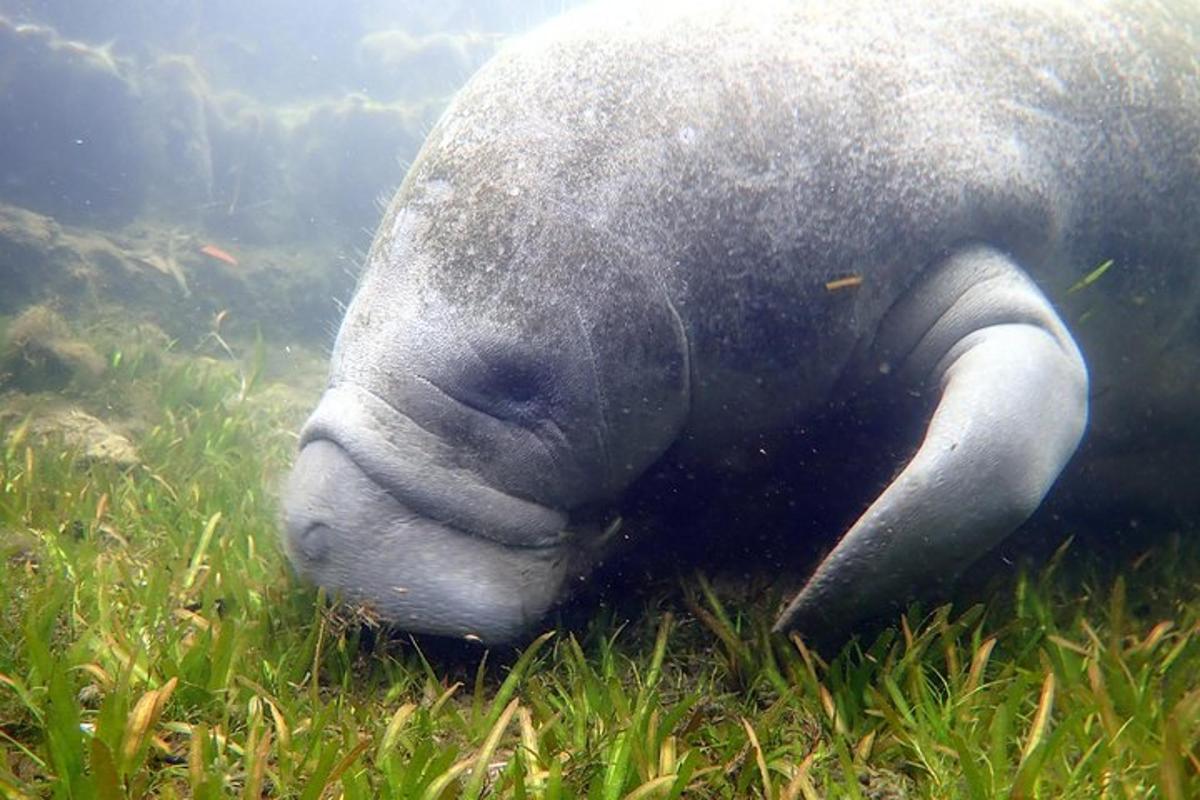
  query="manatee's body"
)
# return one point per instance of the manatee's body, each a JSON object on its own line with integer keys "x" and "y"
{"x": 627, "y": 235}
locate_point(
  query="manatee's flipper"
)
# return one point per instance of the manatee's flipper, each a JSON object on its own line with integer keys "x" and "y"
{"x": 1012, "y": 408}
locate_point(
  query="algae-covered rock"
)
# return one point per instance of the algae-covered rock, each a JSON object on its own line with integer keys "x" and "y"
{"x": 18, "y": 546}
{"x": 92, "y": 438}
{"x": 46, "y": 420}
{"x": 40, "y": 354}
{"x": 167, "y": 275}
{"x": 36, "y": 260}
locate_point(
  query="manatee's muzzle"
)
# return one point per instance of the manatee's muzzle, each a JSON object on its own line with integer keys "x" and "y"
{"x": 373, "y": 513}
{"x": 422, "y": 471}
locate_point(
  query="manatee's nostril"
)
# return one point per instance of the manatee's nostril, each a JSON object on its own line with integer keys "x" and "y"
{"x": 313, "y": 541}
{"x": 322, "y": 479}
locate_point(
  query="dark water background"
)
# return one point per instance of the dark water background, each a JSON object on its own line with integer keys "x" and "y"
{"x": 267, "y": 124}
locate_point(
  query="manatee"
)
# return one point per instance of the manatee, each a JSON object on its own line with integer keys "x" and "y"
{"x": 687, "y": 230}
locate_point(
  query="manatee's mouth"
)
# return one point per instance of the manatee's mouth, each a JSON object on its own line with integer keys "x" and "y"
{"x": 411, "y": 465}
{"x": 346, "y": 534}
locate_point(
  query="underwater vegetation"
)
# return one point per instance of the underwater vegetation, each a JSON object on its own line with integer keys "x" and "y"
{"x": 153, "y": 644}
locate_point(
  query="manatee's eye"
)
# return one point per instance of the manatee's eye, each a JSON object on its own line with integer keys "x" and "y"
{"x": 509, "y": 384}
{"x": 517, "y": 382}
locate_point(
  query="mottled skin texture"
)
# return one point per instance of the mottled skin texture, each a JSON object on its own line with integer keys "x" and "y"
{"x": 617, "y": 241}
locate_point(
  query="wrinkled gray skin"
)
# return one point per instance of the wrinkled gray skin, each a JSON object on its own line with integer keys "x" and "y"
{"x": 617, "y": 240}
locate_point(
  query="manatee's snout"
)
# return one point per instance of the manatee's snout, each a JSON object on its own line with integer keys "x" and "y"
{"x": 350, "y": 529}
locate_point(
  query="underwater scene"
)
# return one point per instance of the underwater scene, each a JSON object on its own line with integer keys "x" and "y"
{"x": 529, "y": 399}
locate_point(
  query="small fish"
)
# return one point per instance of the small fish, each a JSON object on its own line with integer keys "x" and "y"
{"x": 848, "y": 282}
{"x": 212, "y": 251}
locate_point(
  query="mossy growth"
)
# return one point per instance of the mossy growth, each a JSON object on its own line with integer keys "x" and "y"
{"x": 40, "y": 353}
